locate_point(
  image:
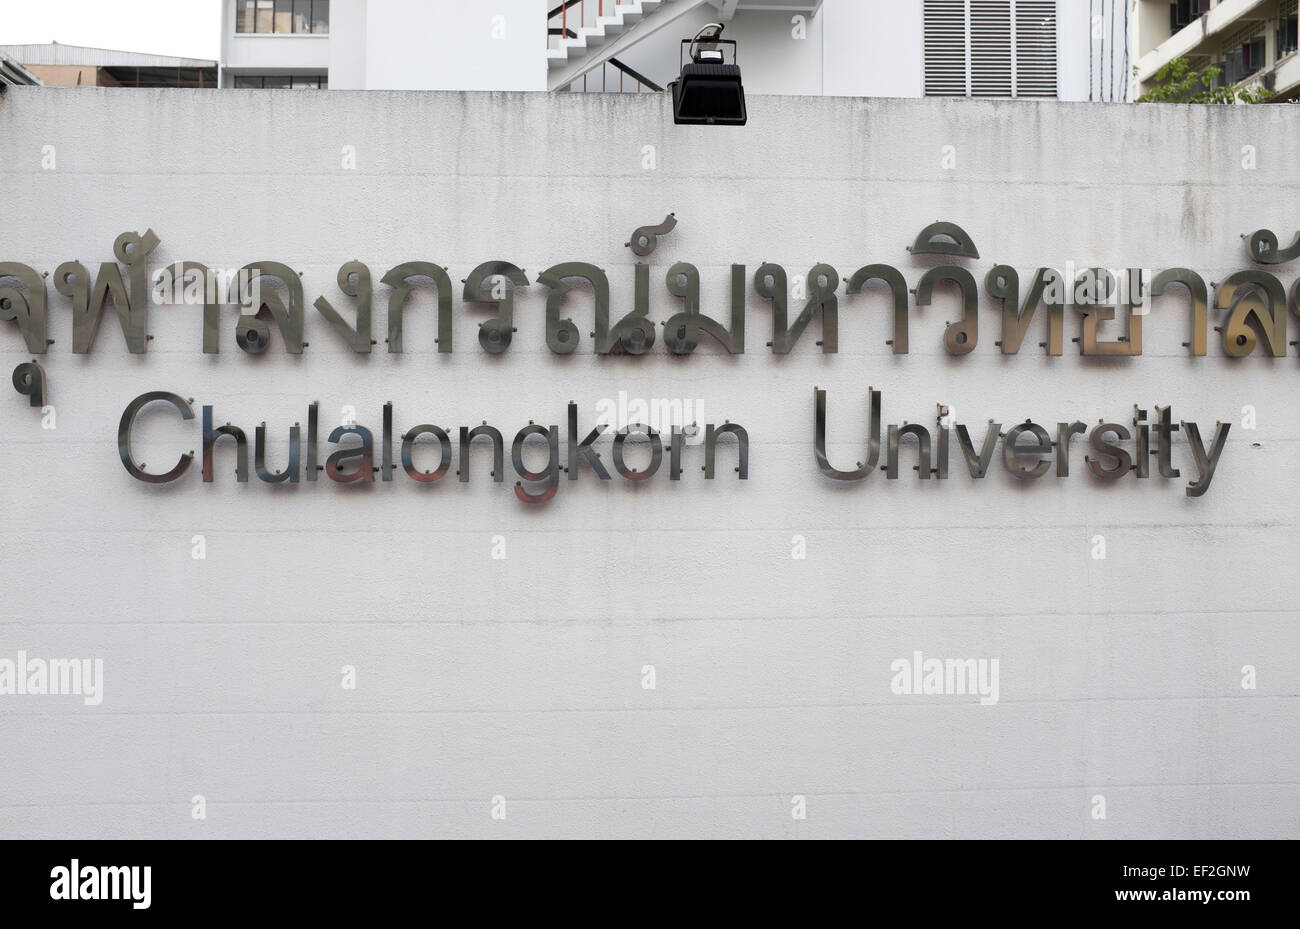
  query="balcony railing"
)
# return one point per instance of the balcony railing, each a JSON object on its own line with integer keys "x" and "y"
{"x": 616, "y": 78}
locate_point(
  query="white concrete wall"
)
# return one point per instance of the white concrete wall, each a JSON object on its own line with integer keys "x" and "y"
{"x": 522, "y": 677}
{"x": 1150, "y": 26}
{"x": 1076, "y": 47}
{"x": 776, "y": 54}
{"x": 348, "y": 45}
{"x": 286, "y": 52}
{"x": 451, "y": 45}
{"x": 874, "y": 48}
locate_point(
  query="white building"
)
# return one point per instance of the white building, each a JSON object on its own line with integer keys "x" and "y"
{"x": 272, "y": 44}
{"x": 1252, "y": 41}
{"x": 1056, "y": 49}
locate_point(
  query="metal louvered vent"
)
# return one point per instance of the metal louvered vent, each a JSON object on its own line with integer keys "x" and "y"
{"x": 990, "y": 48}
{"x": 946, "y": 69}
{"x": 1036, "y": 48}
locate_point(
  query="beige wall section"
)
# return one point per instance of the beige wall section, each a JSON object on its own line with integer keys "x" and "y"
{"x": 67, "y": 75}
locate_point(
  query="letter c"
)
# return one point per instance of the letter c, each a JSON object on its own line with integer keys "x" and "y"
{"x": 124, "y": 437}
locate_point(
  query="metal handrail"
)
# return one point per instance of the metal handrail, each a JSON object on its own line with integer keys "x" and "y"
{"x": 562, "y": 13}
{"x": 565, "y": 31}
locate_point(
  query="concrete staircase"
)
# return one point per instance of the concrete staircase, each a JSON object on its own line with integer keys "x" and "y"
{"x": 619, "y": 16}
{"x": 579, "y": 46}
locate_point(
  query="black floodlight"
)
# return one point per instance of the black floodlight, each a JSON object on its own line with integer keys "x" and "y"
{"x": 709, "y": 92}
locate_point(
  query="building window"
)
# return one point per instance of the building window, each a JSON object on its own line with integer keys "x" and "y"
{"x": 1288, "y": 28}
{"x": 1244, "y": 60}
{"x": 282, "y": 81}
{"x": 1182, "y": 13}
{"x": 1244, "y": 52}
{"x": 244, "y": 10}
{"x": 990, "y": 48}
{"x": 282, "y": 17}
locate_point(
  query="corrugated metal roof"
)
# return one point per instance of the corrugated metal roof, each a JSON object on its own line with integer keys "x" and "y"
{"x": 11, "y": 72}
{"x": 55, "y": 53}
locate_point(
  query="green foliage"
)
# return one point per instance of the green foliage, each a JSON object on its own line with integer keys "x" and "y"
{"x": 1176, "y": 82}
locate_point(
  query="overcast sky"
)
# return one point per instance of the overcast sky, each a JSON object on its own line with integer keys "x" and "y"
{"x": 184, "y": 28}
